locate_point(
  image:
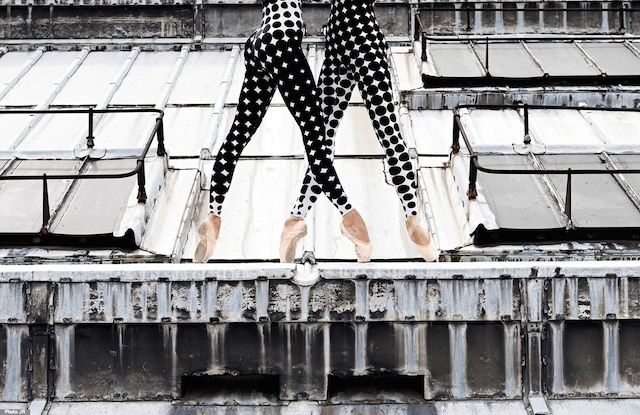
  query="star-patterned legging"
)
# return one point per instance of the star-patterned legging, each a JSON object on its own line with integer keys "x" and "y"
{"x": 274, "y": 59}
{"x": 356, "y": 53}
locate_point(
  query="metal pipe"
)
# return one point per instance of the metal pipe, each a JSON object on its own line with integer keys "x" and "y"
{"x": 142, "y": 193}
{"x": 423, "y": 54}
{"x": 455, "y": 146}
{"x": 472, "y": 193}
{"x": 46, "y": 214}
{"x": 567, "y": 205}
{"x": 527, "y": 137}
{"x": 90, "y": 137}
{"x": 486, "y": 56}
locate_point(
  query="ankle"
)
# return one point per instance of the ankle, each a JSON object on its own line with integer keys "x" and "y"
{"x": 292, "y": 220}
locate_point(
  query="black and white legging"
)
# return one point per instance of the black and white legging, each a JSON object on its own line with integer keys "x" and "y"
{"x": 274, "y": 59}
{"x": 356, "y": 53}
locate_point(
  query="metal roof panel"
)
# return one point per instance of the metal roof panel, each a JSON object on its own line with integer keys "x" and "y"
{"x": 201, "y": 78}
{"x": 35, "y": 86}
{"x": 455, "y": 60}
{"x": 96, "y": 206}
{"x": 146, "y": 79}
{"x": 91, "y": 81}
{"x": 562, "y": 59}
{"x": 21, "y": 201}
{"x": 509, "y": 60}
{"x": 615, "y": 58}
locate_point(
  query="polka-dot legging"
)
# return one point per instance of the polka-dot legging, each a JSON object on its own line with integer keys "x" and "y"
{"x": 356, "y": 53}
{"x": 274, "y": 59}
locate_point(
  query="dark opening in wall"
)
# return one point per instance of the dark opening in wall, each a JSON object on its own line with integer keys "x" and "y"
{"x": 377, "y": 388}
{"x": 222, "y": 389}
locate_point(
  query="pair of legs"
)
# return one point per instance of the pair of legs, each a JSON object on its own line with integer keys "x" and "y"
{"x": 274, "y": 60}
{"x": 356, "y": 54}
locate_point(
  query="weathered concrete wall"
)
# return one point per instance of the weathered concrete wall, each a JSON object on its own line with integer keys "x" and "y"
{"x": 576, "y": 17}
{"x": 462, "y": 331}
{"x": 179, "y": 20}
{"x": 83, "y": 22}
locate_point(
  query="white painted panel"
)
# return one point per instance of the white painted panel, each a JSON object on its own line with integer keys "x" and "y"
{"x": 123, "y": 130}
{"x": 613, "y": 58}
{"x": 500, "y": 127}
{"x": 185, "y": 129}
{"x": 509, "y": 60}
{"x": 164, "y": 224}
{"x": 146, "y": 79}
{"x": 406, "y": 69}
{"x": 562, "y": 59}
{"x": 9, "y": 63}
{"x": 561, "y": 127}
{"x": 432, "y": 130}
{"x": 200, "y": 79}
{"x": 56, "y": 132}
{"x": 453, "y": 59}
{"x": 91, "y": 81}
{"x": 616, "y": 127}
{"x": 36, "y": 84}
{"x": 10, "y": 126}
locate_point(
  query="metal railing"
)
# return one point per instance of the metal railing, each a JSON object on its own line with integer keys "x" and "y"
{"x": 156, "y": 132}
{"x": 475, "y": 166}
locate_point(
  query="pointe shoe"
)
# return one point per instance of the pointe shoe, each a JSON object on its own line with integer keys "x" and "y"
{"x": 207, "y": 236}
{"x": 422, "y": 239}
{"x": 354, "y": 228}
{"x": 294, "y": 230}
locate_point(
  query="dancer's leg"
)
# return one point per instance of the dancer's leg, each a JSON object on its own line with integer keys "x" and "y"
{"x": 257, "y": 90}
{"x": 299, "y": 92}
{"x": 256, "y": 94}
{"x": 336, "y": 85}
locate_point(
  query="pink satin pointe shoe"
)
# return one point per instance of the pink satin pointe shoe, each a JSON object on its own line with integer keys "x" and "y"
{"x": 421, "y": 238}
{"x": 294, "y": 230}
{"x": 354, "y": 228}
{"x": 208, "y": 231}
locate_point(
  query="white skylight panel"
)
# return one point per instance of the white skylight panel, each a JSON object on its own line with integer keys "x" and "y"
{"x": 36, "y": 85}
{"x": 613, "y": 57}
{"x": 562, "y": 59}
{"x": 186, "y": 130}
{"x": 10, "y": 63}
{"x": 92, "y": 79}
{"x": 146, "y": 79}
{"x": 200, "y": 79}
